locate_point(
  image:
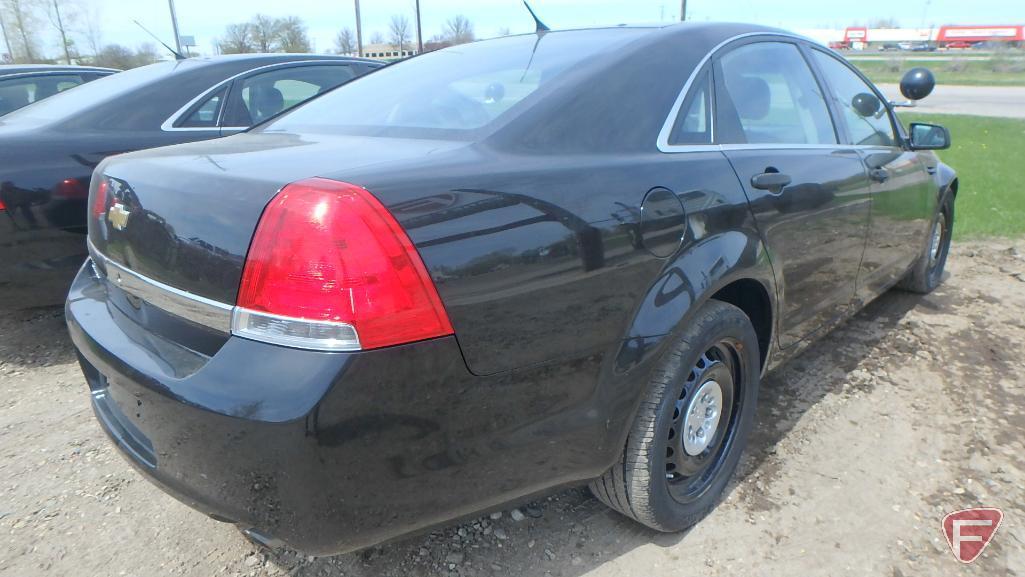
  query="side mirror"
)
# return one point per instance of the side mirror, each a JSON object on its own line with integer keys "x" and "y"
{"x": 866, "y": 105}
{"x": 917, "y": 83}
{"x": 929, "y": 137}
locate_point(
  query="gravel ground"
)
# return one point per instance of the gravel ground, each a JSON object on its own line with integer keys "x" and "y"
{"x": 914, "y": 408}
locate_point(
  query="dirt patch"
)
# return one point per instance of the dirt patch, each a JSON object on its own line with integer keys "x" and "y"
{"x": 914, "y": 408}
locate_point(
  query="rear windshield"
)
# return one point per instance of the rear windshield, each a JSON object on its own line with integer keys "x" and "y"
{"x": 73, "y": 102}
{"x": 455, "y": 92}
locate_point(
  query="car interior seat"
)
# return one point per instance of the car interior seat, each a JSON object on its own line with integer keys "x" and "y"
{"x": 265, "y": 101}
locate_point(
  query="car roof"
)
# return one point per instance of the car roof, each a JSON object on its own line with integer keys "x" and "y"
{"x": 720, "y": 30}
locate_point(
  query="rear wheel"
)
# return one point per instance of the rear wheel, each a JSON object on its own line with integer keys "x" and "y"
{"x": 692, "y": 426}
{"x": 927, "y": 272}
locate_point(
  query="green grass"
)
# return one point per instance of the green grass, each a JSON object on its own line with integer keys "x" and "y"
{"x": 989, "y": 156}
{"x": 998, "y": 70}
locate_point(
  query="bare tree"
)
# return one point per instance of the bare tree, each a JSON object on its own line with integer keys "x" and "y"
{"x": 399, "y": 29}
{"x": 114, "y": 56}
{"x": 890, "y": 22}
{"x": 23, "y": 27}
{"x": 91, "y": 26}
{"x": 7, "y": 39}
{"x": 123, "y": 57}
{"x": 345, "y": 41}
{"x": 238, "y": 39}
{"x": 59, "y": 17}
{"x": 377, "y": 38}
{"x": 146, "y": 54}
{"x": 293, "y": 37}
{"x": 459, "y": 30}
{"x": 266, "y": 32}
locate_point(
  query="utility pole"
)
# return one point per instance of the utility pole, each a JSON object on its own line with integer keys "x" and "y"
{"x": 419, "y": 33}
{"x": 174, "y": 24}
{"x": 359, "y": 32}
{"x": 683, "y": 10}
{"x": 7, "y": 39}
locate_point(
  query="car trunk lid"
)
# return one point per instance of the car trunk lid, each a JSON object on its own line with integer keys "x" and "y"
{"x": 184, "y": 216}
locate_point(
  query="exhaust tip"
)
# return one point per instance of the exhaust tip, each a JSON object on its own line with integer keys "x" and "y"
{"x": 262, "y": 540}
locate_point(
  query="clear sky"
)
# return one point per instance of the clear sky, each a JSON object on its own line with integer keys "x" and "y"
{"x": 206, "y": 19}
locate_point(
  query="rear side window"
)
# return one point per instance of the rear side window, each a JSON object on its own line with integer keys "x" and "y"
{"x": 18, "y": 92}
{"x": 270, "y": 93}
{"x": 459, "y": 91}
{"x": 868, "y": 121}
{"x": 769, "y": 96}
{"x": 204, "y": 114}
{"x": 694, "y": 124}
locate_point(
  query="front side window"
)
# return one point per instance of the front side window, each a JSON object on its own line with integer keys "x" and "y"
{"x": 771, "y": 97}
{"x": 270, "y": 93}
{"x": 868, "y": 121}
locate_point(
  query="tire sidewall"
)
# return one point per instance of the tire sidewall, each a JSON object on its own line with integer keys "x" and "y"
{"x": 669, "y": 513}
{"x": 935, "y": 274}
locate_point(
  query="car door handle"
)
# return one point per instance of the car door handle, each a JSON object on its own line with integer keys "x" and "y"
{"x": 879, "y": 174}
{"x": 771, "y": 181}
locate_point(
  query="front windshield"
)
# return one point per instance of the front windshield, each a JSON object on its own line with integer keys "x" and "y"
{"x": 452, "y": 92}
{"x": 73, "y": 102}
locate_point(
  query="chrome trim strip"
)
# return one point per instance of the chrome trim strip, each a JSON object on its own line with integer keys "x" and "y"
{"x": 667, "y": 127}
{"x": 17, "y": 75}
{"x": 168, "y": 125}
{"x": 784, "y": 146}
{"x": 192, "y": 307}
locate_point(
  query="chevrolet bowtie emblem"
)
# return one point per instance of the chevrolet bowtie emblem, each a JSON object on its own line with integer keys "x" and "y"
{"x": 118, "y": 216}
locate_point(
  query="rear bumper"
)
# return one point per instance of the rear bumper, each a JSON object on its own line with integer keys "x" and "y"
{"x": 328, "y": 452}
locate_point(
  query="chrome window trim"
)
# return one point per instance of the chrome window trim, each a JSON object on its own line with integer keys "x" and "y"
{"x": 17, "y": 75}
{"x": 168, "y": 125}
{"x": 785, "y": 146}
{"x": 192, "y": 307}
{"x": 667, "y": 127}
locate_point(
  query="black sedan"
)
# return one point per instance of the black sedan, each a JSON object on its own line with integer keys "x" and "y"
{"x": 23, "y": 84}
{"x": 48, "y": 149}
{"x": 496, "y": 269}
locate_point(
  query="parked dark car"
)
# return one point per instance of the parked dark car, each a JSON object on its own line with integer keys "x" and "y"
{"x": 48, "y": 150}
{"x": 23, "y": 84}
{"x": 496, "y": 269}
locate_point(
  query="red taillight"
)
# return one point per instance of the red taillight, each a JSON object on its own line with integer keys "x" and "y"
{"x": 330, "y": 268}
{"x": 100, "y": 199}
{"x": 2, "y": 205}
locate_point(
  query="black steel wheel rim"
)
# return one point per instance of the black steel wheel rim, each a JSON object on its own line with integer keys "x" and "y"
{"x": 689, "y": 475}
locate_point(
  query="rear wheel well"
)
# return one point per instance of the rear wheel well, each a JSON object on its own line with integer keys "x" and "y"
{"x": 751, "y": 297}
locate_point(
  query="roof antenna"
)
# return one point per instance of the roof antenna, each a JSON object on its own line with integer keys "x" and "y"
{"x": 177, "y": 55}
{"x": 541, "y": 28}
